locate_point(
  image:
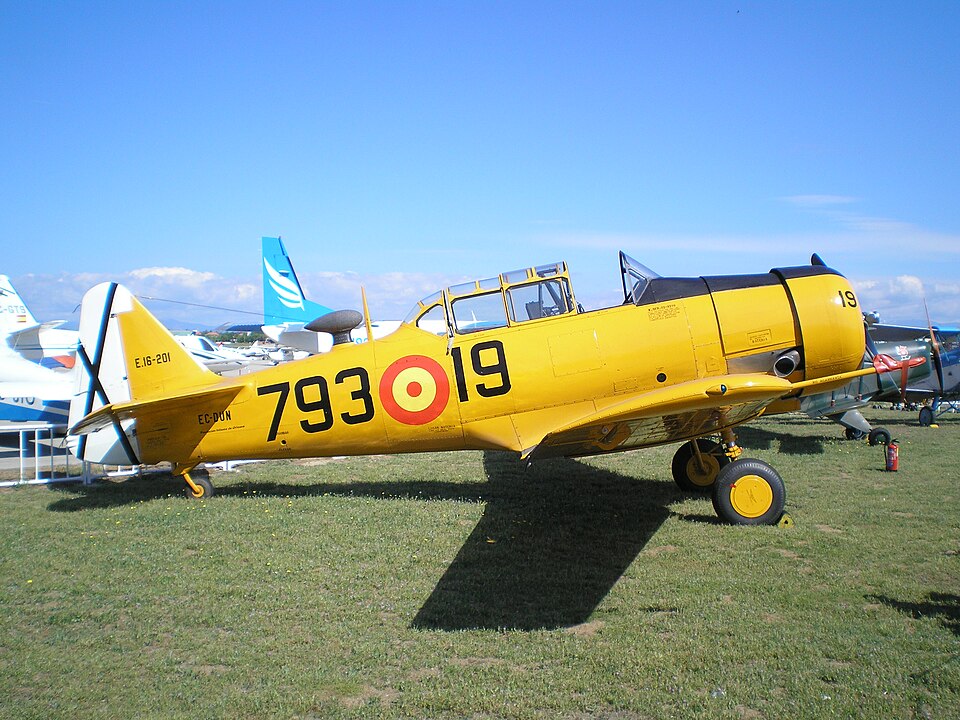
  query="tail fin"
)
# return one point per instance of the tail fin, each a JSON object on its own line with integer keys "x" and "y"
{"x": 124, "y": 355}
{"x": 283, "y": 299}
{"x": 14, "y": 314}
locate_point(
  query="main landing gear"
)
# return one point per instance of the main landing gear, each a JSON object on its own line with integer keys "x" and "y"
{"x": 877, "y": 436}
{"x": 199, "y": 487}
{"x": 745, "y": 491}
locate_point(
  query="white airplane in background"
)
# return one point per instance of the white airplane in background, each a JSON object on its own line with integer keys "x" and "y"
{"x": 220, "y": 359}
{"x": 36, "y": 382}
{"x": 42, "y": 343}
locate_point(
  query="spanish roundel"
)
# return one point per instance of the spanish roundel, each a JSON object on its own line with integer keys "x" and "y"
{"x": 414, "y": 390}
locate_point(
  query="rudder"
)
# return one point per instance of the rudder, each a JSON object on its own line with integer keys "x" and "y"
{"x": 124, "y": 355}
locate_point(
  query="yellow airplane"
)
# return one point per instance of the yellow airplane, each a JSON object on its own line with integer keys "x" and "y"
{"x": 522, "y": 367}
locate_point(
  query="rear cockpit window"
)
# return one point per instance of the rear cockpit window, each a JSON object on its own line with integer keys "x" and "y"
{"x": 479, "y": 312}
{"x": 539, "y": 300}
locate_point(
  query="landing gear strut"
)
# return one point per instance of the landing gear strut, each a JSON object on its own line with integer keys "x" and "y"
{"x": 198, "y": 488}
{"x": 697, "y": 463}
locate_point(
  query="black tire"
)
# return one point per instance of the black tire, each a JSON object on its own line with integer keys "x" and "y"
{"x": 206, "y": 488}
{"x": 686, "y": 472}
{"x": 926, "y": 417}
{"x": 854, "y": 434}
{"x": 749, "y": 492}
{"x": 879, "y": 436}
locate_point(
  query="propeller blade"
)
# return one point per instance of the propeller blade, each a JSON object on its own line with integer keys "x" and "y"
{"x": 904, "y": 372}
{"x": 935, "y": 347}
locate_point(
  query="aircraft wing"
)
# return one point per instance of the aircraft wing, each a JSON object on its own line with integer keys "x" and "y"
{"x": 52, "y": 324}
{"x": 104, "y": 416}
{"x": 26, "y": 338}
{"x": 677, "y": 412}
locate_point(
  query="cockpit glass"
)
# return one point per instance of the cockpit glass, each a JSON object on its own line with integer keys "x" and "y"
{"x": 419, "y": 307}
{"x": 533, "y": 301}
{"x": 433, "y": 321}
{"x": 479, "y": 312}
{"x": 636, "y": 277}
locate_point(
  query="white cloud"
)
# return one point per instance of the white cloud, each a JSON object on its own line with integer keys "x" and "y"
{"x": 390, "y": 295}
{"x": 900, "y": 300}
{"x": 180, "y": 297}
{"x": 173, "y": 275}
{"x": 874, "y": 233}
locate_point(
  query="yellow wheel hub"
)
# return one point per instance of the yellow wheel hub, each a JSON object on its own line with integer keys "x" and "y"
{"x": 751, "y": 496}
{"x": 703, "y": 475}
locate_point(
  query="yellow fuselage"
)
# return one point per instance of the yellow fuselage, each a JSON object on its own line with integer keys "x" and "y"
{"x": 506, "y": 387}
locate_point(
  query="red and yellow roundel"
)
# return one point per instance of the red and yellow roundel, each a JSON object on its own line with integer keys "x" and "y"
{"x": 414, "y": 390}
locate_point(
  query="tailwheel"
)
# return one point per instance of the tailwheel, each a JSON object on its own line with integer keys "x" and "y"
{"x": 198, "y": 488}
{"x": 926, "y": 417}
{"x": 697, "y": 463}
{"x": 749, "y": 492}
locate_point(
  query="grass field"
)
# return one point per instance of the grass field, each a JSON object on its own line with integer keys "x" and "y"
{"x": 463, "y": 586}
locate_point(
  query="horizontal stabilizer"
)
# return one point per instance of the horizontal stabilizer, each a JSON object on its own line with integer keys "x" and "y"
{"x": 106, "y": 415}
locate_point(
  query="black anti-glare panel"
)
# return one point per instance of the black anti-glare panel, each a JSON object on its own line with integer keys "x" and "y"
{"x": 665, "y": 289}
{"x": 719, "y": 283}
{"x": 788, "y": 273}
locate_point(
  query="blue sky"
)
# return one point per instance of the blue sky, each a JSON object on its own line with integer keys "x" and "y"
{"x": 408, "y": 145}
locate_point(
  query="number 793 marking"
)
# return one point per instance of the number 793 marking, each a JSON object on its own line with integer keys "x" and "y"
{"x": 313, "y": 396}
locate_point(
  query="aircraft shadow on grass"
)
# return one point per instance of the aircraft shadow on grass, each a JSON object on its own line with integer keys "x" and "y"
{"x": 944, "y": 607}
{"x": 751, "y": 437}
{"x": 551, "y": 543}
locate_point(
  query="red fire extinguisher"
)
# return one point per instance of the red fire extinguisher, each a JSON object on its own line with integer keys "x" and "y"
{"x": 893, "y": 456}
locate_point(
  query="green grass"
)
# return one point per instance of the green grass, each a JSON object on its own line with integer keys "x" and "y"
{"x": 462, "y": 586}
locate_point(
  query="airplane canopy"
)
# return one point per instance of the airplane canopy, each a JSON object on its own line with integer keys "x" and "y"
{"x": 506, "y": 299}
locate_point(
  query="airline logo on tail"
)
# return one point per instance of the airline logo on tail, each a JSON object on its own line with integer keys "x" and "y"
{"x": 288, "y": 292}
{"x": 283, "y": 298}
